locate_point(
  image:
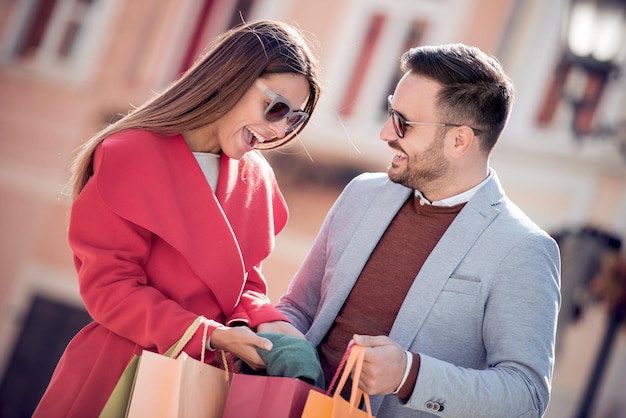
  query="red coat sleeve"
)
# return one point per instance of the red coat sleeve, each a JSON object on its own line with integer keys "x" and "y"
{"x": 109, "y": 253}
{"x": 255, "y": 307}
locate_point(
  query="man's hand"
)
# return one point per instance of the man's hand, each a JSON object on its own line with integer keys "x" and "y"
{"x": 280, "y": 327}
{"x": 383, "y": 366}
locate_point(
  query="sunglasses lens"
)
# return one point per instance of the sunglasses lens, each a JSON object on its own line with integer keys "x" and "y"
{"x": 396, "y": 119}
{"x": 398, "y": 124}
{"x": 277, "y": 111}
{"x": 294, "y": 121}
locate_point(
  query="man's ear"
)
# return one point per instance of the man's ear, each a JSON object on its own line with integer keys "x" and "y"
{"x": 463, "y": 140}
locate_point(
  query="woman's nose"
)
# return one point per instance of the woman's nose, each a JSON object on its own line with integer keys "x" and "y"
{"x": 279, "y": 128}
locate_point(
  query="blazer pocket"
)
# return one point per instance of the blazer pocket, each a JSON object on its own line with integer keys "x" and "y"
{"x": 458, "y": 283}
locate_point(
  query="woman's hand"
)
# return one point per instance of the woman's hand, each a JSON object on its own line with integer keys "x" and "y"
{"x": 280, "y": 327}
{"x": 242, "y": 342}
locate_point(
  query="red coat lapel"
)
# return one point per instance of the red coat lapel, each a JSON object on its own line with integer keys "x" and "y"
{"x": 253, "y": 204}
{"x": 155, "y": 182}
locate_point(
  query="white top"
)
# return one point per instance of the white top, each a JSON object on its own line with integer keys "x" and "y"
{"x": 210, "y": 165}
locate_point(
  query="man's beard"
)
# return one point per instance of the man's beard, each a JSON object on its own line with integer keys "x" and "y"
{"x": 418, "y": 174}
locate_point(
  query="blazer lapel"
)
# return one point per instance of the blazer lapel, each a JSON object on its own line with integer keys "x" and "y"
{"x": 478, "y": 213}
{"x": 376, "y": 219}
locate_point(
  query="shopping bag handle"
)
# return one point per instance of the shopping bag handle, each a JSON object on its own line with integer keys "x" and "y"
{"x": 355, "y": 356}
{"x": 175, "y": 350}
{"x": 342, "y": 364}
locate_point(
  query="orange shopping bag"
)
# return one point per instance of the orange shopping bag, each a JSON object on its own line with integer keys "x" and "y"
{"x": 320, "y": 405}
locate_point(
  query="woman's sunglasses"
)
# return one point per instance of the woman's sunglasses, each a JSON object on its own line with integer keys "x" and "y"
{"x": 399, "y": 123}
{"x": 279, "y": 108}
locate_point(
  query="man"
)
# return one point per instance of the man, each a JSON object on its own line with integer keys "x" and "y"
{"x": 452, "y": 289}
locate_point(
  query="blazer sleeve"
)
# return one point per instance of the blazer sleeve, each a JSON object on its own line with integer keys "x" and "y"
{"x": 305, "y": 296}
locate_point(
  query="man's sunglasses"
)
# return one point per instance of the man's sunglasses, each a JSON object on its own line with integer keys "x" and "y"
{"x": 399, "y": 123}
{"x": 279, "y": 108}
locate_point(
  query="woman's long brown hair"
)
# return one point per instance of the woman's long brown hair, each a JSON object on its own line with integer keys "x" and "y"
{"x": 213, "y": 85}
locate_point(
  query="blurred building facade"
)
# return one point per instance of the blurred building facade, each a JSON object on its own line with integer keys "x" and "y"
{"x": 68, "y": 67}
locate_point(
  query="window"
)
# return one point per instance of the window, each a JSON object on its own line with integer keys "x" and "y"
{"x": 362, "y": 63}
{"x": 206, "y": 26}
{"x": 414, "y": 37}
{"x": 371, "y": 51}
{"x": 577, "y": 86}
{"x": 365, "y": 60}
{"x": 56, "y": 37}
{"x": 363, "y": 68}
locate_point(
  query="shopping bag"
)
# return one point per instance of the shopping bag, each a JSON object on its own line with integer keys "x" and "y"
{"x": 257, "y": 396}
{"x": 117, "y": 404}
{"x": 180, "y": 387}
{"x": 325, "y": 405}
{"x": 170, "y": 385}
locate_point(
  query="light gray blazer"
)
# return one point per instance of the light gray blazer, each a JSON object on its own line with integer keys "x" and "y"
{"x": 481, "y": 313}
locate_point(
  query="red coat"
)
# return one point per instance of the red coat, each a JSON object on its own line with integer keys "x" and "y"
{"x": 154, "y": 248}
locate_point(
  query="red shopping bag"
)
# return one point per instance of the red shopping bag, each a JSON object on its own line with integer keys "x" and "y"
{"x": 256, "y": 396}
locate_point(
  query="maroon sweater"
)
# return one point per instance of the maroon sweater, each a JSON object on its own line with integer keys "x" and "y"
{"x": 374, "y": 302}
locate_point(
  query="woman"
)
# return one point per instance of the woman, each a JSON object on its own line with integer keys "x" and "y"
{"x": 173, "y": 215}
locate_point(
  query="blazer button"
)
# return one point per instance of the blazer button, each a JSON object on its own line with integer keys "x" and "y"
{"x": 434, "y": 406}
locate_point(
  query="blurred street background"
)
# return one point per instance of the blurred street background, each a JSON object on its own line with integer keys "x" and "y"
{"x": 69, "y": 67}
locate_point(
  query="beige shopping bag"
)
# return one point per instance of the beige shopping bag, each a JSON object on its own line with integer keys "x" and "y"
{"x": 180, "y": 387}
{"x": 170, "y": 385}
